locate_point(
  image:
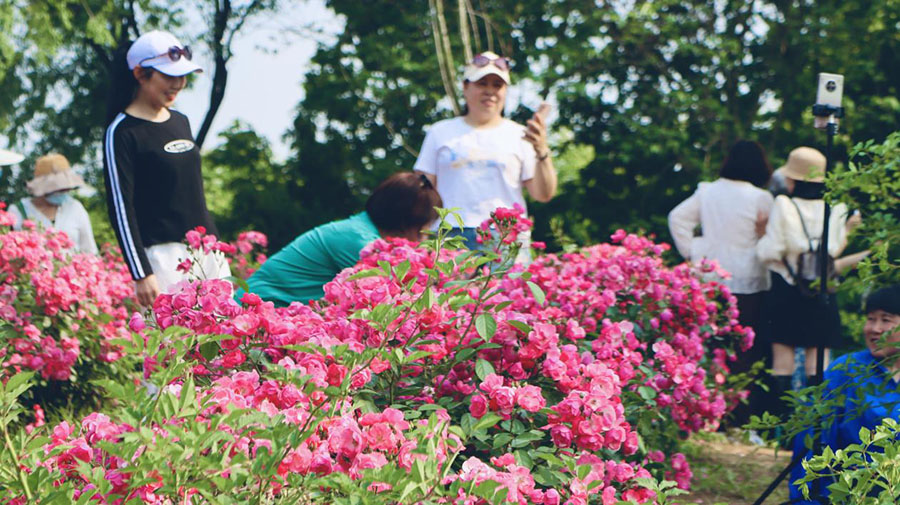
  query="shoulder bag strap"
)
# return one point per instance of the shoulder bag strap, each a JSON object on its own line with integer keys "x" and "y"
{"x": 21, "y": 207}
{"x": 803, "y": 224}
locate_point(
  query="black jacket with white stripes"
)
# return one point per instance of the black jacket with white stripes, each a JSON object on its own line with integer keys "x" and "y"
{"x": 154, "y": 190}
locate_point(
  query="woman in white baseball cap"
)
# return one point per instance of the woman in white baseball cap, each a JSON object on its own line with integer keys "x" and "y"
{"x": 154, "y": 187}
{"x": 481, "y": 161}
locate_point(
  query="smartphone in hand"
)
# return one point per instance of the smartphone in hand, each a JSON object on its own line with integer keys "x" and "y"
{"x": 544, "y": 111}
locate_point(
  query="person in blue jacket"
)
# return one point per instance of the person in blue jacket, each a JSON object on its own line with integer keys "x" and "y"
{"x": 865, "y": 386}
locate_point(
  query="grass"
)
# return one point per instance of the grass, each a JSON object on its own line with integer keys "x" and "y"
{"x": 733, "y": 472}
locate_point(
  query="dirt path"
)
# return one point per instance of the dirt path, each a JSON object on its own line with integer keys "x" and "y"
{"x": 728, "y": 472}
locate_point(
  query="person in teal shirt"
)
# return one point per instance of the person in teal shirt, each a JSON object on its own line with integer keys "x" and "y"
{"x": 401, "y": 206}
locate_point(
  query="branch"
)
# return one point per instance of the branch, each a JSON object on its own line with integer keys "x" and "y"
{"x": 473, "y": 22}
{"x": 445, "y": 39}
{"x": 464, "y": 30}
{"x": 445, "y": 77}
{"x": 488, "y": 27}
{"x": 241, "y": 19}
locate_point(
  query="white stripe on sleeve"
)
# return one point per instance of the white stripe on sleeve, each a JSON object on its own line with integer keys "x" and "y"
{"x": 129, "y": 250}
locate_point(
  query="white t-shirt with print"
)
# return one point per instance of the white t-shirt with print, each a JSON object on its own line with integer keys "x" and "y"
{"x": 477, "y": 169}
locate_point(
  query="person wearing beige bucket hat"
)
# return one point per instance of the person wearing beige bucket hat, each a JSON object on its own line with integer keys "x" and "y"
{"x": 481, "y": 161}
{"x": 791, "y": 317}
{"x": 51, "y": 205}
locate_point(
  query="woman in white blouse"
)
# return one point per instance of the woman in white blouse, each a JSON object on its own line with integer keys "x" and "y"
{"x": 791, "y": 318}
{"x": 51, "y": 206}
{"x": 731, "y": 213}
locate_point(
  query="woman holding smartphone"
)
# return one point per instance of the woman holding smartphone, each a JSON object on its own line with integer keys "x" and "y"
{"x": 481, "y": 161}
{"x": 154, "y": 188}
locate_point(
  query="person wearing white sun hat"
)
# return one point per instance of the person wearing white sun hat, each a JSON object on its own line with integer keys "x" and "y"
{"x": 154, "y": 187}
{"x": 51, "y": 205}
{"x": 481, "y": 161}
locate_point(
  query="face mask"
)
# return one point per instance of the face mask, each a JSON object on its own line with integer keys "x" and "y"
{"x": 56, "y": 199}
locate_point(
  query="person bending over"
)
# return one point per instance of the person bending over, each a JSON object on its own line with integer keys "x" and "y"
{"x": 401, "y": 206}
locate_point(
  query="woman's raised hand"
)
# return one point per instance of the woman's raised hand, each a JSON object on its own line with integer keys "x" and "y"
{"x": 536, "y": 134}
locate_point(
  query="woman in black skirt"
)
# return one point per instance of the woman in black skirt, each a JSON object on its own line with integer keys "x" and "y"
{"x": 792, "y": 318}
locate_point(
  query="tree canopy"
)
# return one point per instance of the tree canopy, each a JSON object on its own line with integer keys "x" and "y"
{"x": 658, "y": 90}
{"x": 650, "y": 95}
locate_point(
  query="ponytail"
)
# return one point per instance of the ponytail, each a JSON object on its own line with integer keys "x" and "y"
{"x": 122, "y": 84}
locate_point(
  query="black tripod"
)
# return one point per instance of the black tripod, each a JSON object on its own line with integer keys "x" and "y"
{"x": 831, "y": 128}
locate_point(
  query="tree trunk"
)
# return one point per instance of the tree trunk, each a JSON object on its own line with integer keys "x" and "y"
{"x": 221, "y": 54}
{"x": 216, "y": 95}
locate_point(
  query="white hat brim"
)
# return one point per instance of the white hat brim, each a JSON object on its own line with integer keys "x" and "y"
{"x": 178, "y": 68}
{"x": 10, "y": 158}
{"x": 479, "y": 73}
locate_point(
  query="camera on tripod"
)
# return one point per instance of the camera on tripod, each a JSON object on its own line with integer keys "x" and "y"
{"x": 828, "y": 100}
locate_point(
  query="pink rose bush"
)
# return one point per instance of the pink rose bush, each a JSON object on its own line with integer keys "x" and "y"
{"x": 423, "y": 375}
{"x": 64, "y": 312}
{"x": 60, "y": 312}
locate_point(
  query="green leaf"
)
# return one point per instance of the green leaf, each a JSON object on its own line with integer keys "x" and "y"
{"x": 519, "y": 325}
{"x": 17, "y": 380}
{"x": 647, "y": 393}
{"x": 501, "y": 440}
{"x": 240, "y": 283}
{"x": 527, "y": 438}
{"x": 537, "y": 292}
{"x": 401, "y": 269}
{"x": 486, "y": 326}
{"x": 209, "y": 350}
{"x": 488, "y": 421}
{"x": 483, "y": 368}
{"x": 362, "y": 274}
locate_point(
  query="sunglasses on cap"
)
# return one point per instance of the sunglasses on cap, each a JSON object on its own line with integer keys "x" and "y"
{"x": 426, "y": 182}
{"x": 501, "y": 62}
{"x": 174, "y": 54}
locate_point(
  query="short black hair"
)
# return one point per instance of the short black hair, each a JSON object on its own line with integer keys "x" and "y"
{"x": 402, "y": 202}
{"x": 886, "y": 299}
{"x": 746, "y": 161}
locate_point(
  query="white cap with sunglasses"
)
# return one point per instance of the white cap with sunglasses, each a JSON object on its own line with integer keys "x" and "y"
{"x": 161, "y": 51}
{"x": 487, "y": 63}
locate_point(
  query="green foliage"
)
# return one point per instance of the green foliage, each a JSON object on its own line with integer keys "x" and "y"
{"x": 864, "y": 474}
{"x": 246, "y": 189}
{"x": 870, "y": 183}
{"x": 53, "y": 87}
{"x": 649, "y": 98}
{"x": 657, "y": 93}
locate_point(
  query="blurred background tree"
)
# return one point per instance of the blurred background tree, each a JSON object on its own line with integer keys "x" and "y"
{"x": 649, "y": 96}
